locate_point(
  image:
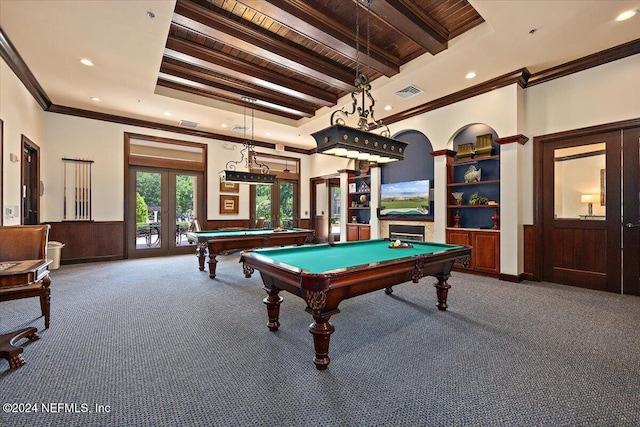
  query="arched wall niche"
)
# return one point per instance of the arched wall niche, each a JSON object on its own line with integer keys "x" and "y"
{"x": 417, "y": 163}
{"x": 467, "y": 134}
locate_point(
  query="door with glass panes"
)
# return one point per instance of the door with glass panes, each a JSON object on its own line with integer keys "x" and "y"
{"x": 163, "y": 204}
{"x": 590, "y": 205}
{"x": 275, "y": 206}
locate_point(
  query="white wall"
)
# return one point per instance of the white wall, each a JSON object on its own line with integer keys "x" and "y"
{"x": 21, "y": 115}
{"x": 103, "y": 142}
{"x": 599, "y": 95}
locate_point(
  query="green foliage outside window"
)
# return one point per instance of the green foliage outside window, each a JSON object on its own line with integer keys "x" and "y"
{"x": 142, "y": 212}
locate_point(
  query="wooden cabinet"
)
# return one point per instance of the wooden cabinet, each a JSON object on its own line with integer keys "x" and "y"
{"x": 358, "y": 232}
{"x": 359, "y": 209}
{"x": 475, "y": 224}
{"x": 485, "y": 252}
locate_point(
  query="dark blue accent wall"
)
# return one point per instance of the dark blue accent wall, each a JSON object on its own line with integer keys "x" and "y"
{"x": 417, "y": 163}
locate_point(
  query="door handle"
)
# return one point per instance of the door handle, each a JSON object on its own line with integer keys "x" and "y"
{"x": 629, "y": 225}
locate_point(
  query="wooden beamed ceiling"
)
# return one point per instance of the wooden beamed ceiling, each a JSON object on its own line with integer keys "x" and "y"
{"x": 296, "y": 56}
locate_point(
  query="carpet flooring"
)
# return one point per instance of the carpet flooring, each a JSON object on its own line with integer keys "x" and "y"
{"x": 155, "y": 342}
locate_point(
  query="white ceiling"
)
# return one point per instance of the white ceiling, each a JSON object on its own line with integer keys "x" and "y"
{"x": 126, "y": 47}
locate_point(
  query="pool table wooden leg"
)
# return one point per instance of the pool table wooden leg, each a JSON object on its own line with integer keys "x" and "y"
{"x": 212, "y": 265}
{"x": 273, "y": 308}
{"x": 201, "y": 251}
{"x": 321, "y": 330}
{"x": 442, "y": 290}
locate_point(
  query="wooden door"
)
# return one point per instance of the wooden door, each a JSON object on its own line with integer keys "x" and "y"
{"x": 30, "y": 186}
{"x": 588, "y": 182}
{"x": 631, "y": 212}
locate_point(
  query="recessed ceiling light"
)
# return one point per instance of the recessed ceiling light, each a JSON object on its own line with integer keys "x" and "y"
{"x": 95, "y": 99}
{"x": 166, "y": 113}
{"x": 626, "y": 15}
{"x": 388, "y": 107}
{"x": 224, "y": 125}
{"x": 86, "y": 62}
{"x": 268, "y": 134}
{"x": 470, "y": 75}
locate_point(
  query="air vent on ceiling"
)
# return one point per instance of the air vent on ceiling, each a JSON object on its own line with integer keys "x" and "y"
{"x": 238, "y": 128}
{"x": 188, "y": 124}
{"x": 409, "y": 91}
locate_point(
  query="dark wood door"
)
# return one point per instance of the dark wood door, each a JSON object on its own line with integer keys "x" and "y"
{"x": 589, "y": 181}
{"x": 631, "y": 212}
{"x": 30, "y": 186}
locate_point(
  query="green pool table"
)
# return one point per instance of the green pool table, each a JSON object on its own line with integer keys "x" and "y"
{"x": 324, "y": 275}
{"x": 216, "y": 242}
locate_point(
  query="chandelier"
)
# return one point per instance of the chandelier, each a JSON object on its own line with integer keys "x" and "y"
{"x": 248, "y": 158}
{"x": 358, "y": 142}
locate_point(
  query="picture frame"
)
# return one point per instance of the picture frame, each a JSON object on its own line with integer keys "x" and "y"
{"x": 229, "y": 187}
{"x": 603, "y": 187}
{"x": 352, "y": 187}
{"x": 229, "y": 204}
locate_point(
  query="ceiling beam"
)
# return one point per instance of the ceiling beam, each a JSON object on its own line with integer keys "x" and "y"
{"x": 197, "y": 55}
{"x": 301, "y": 17}
{"x": 204, "y": 90}
{"x": 175, "y": 68}
{"x": 412, "y": 22}
{"x": 233, "y": 34}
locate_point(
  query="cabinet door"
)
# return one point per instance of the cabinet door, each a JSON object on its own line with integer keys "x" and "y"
{"x": 365, "y": 232}
{"x": 486, "y": 252}
{"x": 352, "y": 232}
{"x": 461, "y": 237}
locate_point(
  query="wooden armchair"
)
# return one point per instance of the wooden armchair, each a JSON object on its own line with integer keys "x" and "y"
{"x": 21, "y": 243}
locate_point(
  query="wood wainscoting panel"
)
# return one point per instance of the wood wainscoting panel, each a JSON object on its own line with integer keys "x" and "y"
{"x": 88, "y": 241}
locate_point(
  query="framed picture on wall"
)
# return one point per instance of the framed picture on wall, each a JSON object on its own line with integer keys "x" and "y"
{"x": 229, "y": 187}
{"x": 229, "y": 204}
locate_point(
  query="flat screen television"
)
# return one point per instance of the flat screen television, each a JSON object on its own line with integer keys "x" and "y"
{"x": 400, "y": 199}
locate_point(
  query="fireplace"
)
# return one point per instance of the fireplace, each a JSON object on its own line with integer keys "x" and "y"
{"x": 406, "y": 232}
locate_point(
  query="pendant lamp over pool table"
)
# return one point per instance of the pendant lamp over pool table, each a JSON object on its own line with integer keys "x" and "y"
{"x": 248, "y": 157}
{"x": 357, "y": 142}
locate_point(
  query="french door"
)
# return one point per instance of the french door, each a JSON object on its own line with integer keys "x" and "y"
{"x": 162, "y": 205}
{"x": 590, "y": 210}
{"x": 275, "y": 205}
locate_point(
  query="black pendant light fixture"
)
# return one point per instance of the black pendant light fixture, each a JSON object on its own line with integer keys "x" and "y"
{"x": 248, "y": 157}
{"x": 358, "y": 142}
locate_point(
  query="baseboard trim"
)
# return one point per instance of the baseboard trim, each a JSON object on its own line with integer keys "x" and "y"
{"x": 511, "y": 278}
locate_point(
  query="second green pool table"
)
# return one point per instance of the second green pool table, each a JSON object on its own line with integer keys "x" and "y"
{"x": 217, "y": 242}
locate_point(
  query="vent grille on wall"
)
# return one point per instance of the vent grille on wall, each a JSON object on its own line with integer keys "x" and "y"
{"x": 188, "y": 124}
{"x": 409, "y": 91}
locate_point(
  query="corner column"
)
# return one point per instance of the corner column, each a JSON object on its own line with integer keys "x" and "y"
{"x": 511, "y": 195}
{"x": 440, "y": 194}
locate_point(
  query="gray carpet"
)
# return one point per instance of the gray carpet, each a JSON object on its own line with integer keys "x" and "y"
{"x": 160, "y": 344}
